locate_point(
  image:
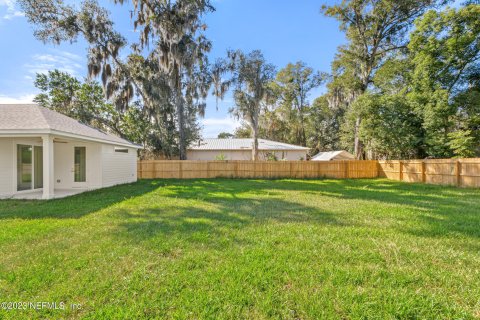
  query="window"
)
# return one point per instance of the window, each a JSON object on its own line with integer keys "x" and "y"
{"x": 24, "y": 167}
{"x": 80, "y": 164}
{"x": 29, "y": 167}
{"x": 121, "y": 150}
{"x": 38, "y": 167}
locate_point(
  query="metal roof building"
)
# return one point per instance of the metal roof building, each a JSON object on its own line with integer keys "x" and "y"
{"x": 241, "y": 149}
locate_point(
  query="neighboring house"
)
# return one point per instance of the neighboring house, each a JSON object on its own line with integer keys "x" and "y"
{"x": 333, "y": 155}
{"x": 44, "y": 154}
{"x": 241, "y": 149}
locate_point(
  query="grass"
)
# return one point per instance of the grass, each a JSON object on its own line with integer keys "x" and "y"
{"x": 229, "y": 249}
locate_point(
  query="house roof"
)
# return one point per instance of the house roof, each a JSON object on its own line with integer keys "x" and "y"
{"x": 31, "y": 118}
{"x": 331, "y": 155}
{"x": 243, "y": 144}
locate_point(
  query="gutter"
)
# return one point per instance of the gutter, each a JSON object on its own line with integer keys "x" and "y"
{"x": 37, "y": 132}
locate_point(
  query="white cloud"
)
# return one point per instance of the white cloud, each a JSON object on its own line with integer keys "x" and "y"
{"x": 10, "y": 4}
{"x": 11, "y": 11}
{"x": 211, "y": 127}
{"x": 61, "y": 60}
{"x": 14, "y": 14}
{"x": 16, "y": 100}
{"x": 70, "y": 55}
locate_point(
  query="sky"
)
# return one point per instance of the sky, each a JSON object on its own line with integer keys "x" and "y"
{"x": 284, "y": 30}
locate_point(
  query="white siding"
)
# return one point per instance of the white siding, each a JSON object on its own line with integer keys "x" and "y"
{"x": 6, "y": 166}
{"x": 206, "y": 155}
{"x": 104, "y": 167}
{"x": 64, "y": 165}
{"x": 292, "y": 155}
{"x": 118, "y": 167}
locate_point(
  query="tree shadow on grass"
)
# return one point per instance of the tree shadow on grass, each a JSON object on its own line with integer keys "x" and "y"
{"x": 440, "y": 210}
{"x": 207, "y": 225}
{"x": 76, "y": 206}
{"x": 209, "y": 210}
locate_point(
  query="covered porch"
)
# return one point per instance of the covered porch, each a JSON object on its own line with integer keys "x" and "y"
{"x": 50, "y": 167}
{"x": 46, "y": 154}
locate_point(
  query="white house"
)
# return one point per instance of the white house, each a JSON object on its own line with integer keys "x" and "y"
{"x": 44, "y": 154}
{"x": 241, "y": 149}
{"x": 333, "y": 155}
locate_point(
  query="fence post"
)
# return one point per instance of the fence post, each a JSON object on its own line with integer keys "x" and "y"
{"x": 458, "y": 172}
{"x": 424, "y": 172}
{"x": 458, "y": 175}
{"x": 401, "y": 170}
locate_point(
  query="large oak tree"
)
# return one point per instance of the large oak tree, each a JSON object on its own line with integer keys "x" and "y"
{"x": 374, "y": 30}
{"x": 167, "y": 65}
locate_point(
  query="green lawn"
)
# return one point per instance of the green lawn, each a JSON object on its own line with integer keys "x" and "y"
{"x": 254, "y": 249}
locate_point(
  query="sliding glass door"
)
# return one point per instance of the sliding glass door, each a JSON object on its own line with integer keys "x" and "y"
{"x": 80, "y": 164}
{"x": 38, "y": 167}
{"x": 29, "y": 167}
{"x": 24, "y": 167}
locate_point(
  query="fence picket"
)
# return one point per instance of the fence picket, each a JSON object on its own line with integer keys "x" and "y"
{"x": 255, "y": 169}
{"x": 459, "y": 172}
{"x": 454, "y": 172}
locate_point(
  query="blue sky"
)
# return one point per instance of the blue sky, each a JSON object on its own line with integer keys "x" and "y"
{"x": 285, "y": 30}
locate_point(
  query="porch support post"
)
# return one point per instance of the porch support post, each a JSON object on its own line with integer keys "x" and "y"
{"x": 48, "y": 167}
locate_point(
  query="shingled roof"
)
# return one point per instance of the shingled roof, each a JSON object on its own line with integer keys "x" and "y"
{"x": 242, "y": 144}
{"x": 31, "y": 118}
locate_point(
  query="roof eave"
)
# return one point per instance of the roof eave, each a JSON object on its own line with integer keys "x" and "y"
{"x": 303, "y": 149}
{"x": 36, "y": 132}
{"x": 116, "y": 143}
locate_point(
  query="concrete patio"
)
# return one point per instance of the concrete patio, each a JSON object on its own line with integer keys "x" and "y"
{"x": 37, "y": 194}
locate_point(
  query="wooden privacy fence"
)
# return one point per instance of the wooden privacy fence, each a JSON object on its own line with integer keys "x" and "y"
{"x": 457, "y": 172}
{"x": 256, "y": 169}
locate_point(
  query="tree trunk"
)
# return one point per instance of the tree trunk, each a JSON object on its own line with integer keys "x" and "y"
{"x": 358, "y": 144}
{"x": 255, "y": 143}
{"x": 303, "y": 135}
{"x": 182, "y": 148}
